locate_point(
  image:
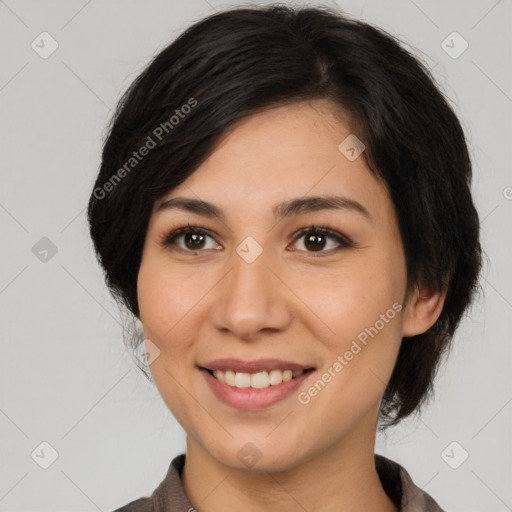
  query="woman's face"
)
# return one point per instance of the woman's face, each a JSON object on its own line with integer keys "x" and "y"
{"x": 252, "y": 283}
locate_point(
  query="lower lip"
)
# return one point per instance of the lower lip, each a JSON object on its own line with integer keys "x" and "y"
{"x": 252, "y": 399}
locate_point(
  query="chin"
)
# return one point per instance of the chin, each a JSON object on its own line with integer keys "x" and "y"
{"x": 258, "y": 457}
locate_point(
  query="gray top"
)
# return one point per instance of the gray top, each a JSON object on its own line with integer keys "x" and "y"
{"x": 170, "y": 496}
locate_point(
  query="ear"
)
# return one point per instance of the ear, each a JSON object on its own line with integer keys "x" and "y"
{"x": 422, "y": 310}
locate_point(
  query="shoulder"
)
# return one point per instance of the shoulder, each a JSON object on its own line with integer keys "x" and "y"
{"x": 399, "y": 486}
{"x": 139, "y": 505}
{"x": 169, "y": 495}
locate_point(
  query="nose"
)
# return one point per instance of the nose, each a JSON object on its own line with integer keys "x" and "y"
{"x": 251, "y": 301}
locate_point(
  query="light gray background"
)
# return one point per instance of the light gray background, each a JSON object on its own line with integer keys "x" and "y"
{"x": 65, "y": 376}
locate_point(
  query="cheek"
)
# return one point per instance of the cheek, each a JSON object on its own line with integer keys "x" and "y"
{"x": 359, "y": 307}
{"x": 165, "y": 297}
{"x": 165, "y": 309}
{"x": 351, "y": 296}
{"x": 362, "y": 308}
{"x": 164, "y": 304}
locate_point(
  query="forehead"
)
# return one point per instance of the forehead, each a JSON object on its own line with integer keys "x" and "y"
{"x": 283, "y": 153}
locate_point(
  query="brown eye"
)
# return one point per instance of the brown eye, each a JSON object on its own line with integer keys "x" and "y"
{"x": 190, "y": 239}
{"x": 321, "y": 240}
{"x": 315, "y": 242}
{"x": 193, "y": 241}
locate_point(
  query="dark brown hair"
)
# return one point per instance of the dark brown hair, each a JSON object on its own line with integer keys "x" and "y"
{"x": 243, "y": 60}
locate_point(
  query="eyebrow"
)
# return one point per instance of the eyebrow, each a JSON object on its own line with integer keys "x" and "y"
{"x": 280, "y": 211}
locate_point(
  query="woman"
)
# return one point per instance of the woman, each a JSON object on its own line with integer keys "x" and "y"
{"x": 284, "y": 203}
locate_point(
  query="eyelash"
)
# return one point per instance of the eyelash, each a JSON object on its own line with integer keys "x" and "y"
{"x": 344, "y": 242}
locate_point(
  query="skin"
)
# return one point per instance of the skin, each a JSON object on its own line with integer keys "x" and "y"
{"x": 290, "y": 304}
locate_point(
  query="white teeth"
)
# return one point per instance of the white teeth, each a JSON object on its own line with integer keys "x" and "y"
{"x": 258, "y": 380}
{"x": 229, "y": 377}
{"x": 276, "y": 377}
{"x": 242, "y": 380}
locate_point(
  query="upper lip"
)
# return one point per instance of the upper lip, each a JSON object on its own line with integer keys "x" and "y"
{"x": 260, "y": 365}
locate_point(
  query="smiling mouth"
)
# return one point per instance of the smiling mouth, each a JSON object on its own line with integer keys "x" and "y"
{"x": 259, "y": 380}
